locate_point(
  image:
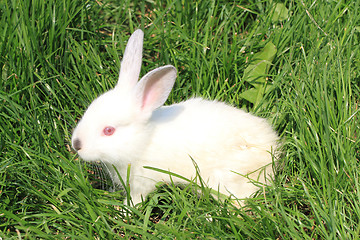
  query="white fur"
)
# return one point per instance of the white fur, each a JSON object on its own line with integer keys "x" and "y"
{"x": 220, "y": 138}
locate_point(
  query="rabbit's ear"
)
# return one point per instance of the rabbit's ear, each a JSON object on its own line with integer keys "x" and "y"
{"x": 131, "y": 62}
{"x": 154, "y": 88}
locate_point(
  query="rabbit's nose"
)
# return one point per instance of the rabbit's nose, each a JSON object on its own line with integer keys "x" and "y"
{"x": 77, "y": 144}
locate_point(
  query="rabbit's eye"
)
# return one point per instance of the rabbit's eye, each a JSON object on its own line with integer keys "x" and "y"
{"x": 108, "y": 131}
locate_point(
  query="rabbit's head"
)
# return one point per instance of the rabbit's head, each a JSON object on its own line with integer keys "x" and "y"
{"x": 115, "y": 126}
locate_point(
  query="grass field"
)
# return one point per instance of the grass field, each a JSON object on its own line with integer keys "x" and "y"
{"x": 296, "y": 63}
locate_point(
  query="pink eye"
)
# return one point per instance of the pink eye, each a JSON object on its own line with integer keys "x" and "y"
{"x": 108, "y": 131}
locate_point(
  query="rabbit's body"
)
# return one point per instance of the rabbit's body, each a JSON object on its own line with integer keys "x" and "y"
{"x": 219, "y": 138}
{"x": 195, "y": 128}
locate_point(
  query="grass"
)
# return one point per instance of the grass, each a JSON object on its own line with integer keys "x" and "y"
{"x": 57, "y": 56}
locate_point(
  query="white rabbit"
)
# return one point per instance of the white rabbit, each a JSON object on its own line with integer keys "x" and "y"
{"x": 129, "y": 125}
